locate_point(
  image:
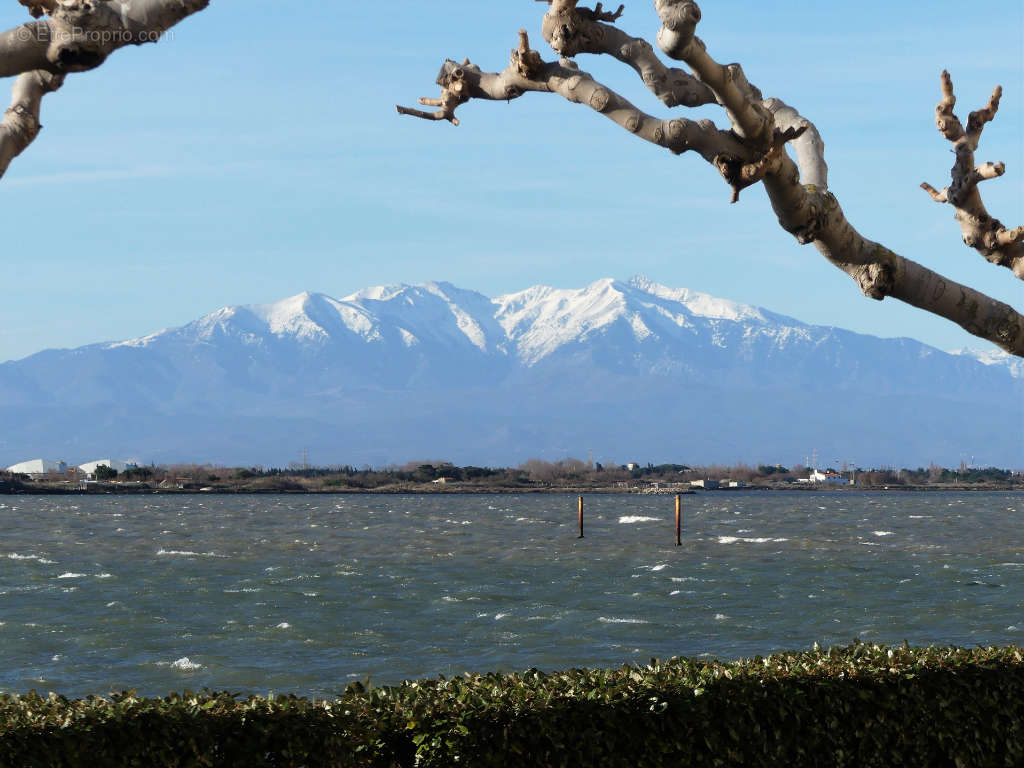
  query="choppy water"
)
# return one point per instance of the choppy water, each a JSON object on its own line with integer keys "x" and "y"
{"x": 306, "y": 593}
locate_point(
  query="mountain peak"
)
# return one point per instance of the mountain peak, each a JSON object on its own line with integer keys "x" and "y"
{"x": 294, "y": 316}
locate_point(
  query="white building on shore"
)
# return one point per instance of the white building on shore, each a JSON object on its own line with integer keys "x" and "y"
{"x": 828, "y": 478}
{"x": 38, "y": 468}
{"x": 89, "y": 467}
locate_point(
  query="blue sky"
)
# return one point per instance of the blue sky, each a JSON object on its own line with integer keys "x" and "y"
{"x": 256, "y": 153}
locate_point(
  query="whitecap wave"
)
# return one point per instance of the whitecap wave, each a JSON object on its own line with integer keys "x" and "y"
{"x": 37, "y": 558}
{"x": 70, "y": 575}
{"x": 184, "y": 553}
{"x": 751, "y": 540}
{"x": 630, "y": 519}
{"x": 613, "y": 620}
{"x": 283, "y": 625}
{"x": 185, "y": 664}
{"x": 882, "y": 533}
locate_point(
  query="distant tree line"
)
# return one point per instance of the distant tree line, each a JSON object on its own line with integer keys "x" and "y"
{"x": 533, "y": 474}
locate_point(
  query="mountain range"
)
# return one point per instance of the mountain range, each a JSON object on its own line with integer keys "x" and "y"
{"x": 622, "y": 371}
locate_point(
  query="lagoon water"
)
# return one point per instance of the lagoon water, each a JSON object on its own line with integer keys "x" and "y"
{"x": 305, "y": 594}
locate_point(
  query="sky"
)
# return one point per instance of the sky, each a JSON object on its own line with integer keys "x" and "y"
{"x": 255, "y": 153}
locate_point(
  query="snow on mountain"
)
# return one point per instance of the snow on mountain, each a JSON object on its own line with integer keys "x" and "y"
{"x": 541, "y": 320}
{"x": 627, "y": 368}
{"x": 701, "y": 304}
{"x": 438, "y": 312}
{"x": 533, "y": 323}
{"x": 994, "y": 357}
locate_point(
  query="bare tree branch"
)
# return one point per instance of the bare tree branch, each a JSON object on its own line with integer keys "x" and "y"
{"x": 809, "y": 146}
{"x": 571, "y": 30}
{"x": 753, "y": 151}
{"x": 750, "y": 119}
{"x": 78, "y": 35}
{"x": 21, "y": 124}
{"x": 985, "y": 234}
{"x": 527, "y": 72}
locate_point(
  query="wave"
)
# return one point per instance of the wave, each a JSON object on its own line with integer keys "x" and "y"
{"x": 630, "y": 519}
{"x": 185, "y": 553}
{"x": 37, "y": 558}
{"x": 605, "y": 620}
{"x": 735, "y": 539}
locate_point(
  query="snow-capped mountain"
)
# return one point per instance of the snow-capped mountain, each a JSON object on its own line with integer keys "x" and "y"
{"x": 631, "y": 370}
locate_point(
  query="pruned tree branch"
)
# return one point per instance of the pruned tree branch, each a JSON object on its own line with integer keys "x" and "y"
{"x": 528, "y": 73}
{"x": 985, "y": 234}
{"x": 752, "y": 151}
{"x": 571, "y": 30}
{"x": 76, "y": 36}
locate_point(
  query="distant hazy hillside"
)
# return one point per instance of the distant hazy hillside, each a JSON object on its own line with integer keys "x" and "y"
{"x": 634, "y": 371}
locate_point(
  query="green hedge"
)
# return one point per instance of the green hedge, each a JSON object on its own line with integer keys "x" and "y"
{"x": 864, "y": 705}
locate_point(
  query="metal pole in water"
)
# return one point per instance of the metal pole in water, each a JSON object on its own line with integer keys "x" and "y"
{"x": 581, "y": 516}
{"x": 679, "y": 519}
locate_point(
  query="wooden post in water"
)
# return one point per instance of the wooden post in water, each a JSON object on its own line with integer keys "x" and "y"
{"x": 679, "y": 520}
{"x": 581, "y": 516}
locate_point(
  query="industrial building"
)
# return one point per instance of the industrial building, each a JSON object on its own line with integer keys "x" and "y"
{"x": 38, "y": 468}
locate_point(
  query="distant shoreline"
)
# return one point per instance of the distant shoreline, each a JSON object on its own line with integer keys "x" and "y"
{"x": 125, "y": 490}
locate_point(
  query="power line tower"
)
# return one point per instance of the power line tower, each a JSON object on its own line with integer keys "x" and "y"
{"x": 305, "y": 459}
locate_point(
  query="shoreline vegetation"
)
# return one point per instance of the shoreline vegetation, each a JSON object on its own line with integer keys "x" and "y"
{"x": 862, "y": 705}
{"x": 568, "y": 476}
